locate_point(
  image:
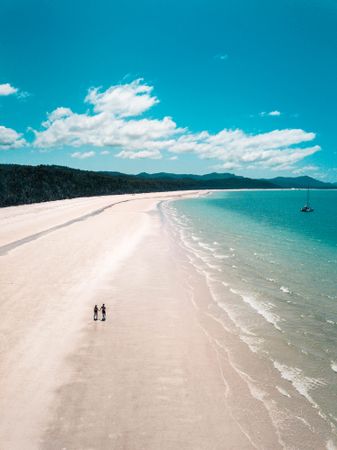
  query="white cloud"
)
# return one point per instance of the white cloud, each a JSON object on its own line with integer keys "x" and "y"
{"x": 58, "y": 113}
{"x": 105, "y": 152}
{"x": 306, "y": 169}
{"x": 173, "y": 158}
{"x": 237, "y": 149}
{"x": 83, "y": 155}
{"x": 7, "y": 89}
{"x": 101, "y": 130}
{"x": 123, "y": 100}
{"x": 228, "y": 166}
{"x": 10, "y": 139}
{"x": 145, "y": 154}
{"x": 271, "y": 113}
{"x": 115, "y": 122}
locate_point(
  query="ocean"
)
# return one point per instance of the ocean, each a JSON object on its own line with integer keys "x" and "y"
{"x": 272, "y": 271}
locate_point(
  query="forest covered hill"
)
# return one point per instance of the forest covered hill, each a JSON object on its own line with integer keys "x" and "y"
{"x": 21, "y": 184}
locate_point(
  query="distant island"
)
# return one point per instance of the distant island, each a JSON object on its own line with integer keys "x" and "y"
{"x": 20, "y": 184}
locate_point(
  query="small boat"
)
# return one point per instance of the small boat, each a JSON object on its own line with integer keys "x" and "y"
{"x": 307, "y": 208}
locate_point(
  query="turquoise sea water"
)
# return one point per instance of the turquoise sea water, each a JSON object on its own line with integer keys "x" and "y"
{"x": 281, "y": 267}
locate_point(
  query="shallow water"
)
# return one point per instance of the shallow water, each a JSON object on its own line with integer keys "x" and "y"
{"x": 280, "y": 268}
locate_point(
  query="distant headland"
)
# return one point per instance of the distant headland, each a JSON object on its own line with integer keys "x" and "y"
{"x": 21, "y": 184}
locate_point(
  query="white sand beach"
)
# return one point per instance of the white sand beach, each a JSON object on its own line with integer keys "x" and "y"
{"x": 153, "y": 376}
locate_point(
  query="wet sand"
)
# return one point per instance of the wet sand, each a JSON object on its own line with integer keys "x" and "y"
{"x": 153, "y": 376}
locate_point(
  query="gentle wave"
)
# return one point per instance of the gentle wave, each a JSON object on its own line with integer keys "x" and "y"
{"x": 206, "y": 246}
{"x": 263, "y": 309}
{"x": 272, "y": 296}
{"x": 334, "y": 366}
{"x": 254, "y": 343}
{"x": 285, "y": 289}
{"x": 300, "y": 382}
{"x": 283, "y": 392}
{"x": 330, "y": 445}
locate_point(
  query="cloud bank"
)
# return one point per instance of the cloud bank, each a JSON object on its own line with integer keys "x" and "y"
{"x": 116, "y": 123}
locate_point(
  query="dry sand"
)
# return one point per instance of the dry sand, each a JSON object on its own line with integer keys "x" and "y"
{"x": 151, "y": 376}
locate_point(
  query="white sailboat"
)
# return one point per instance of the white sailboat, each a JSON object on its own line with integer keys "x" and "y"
{"x": 307, "y": 208}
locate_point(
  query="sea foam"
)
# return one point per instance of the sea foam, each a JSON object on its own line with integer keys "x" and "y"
{"x": 263, "y": 309}
{"x": 334, "y": 366}
{"x": 300, "y": 382}
{"x": 330, "y": 445}
{"x": 283, "y": 392}
{"x": 285, "y": 289}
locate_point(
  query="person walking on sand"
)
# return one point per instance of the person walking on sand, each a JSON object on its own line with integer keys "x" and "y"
{"x": 95, "y": 312}
{"x": 103, "y": 309}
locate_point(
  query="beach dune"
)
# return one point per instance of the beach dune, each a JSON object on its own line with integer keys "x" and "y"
{"x": 151, "y": 376}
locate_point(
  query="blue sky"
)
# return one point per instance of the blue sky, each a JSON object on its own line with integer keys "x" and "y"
{"x": 233, "y": 85}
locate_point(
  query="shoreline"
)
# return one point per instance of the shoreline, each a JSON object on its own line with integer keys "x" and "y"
{"x": 186, "y": 192}
{"x": 172, "y": 393}
{"x": 284, "y": 390}
{"x": 164, "y": 371}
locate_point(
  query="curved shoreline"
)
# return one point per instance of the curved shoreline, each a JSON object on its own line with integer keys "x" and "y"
{"x": 157, "y": 374}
